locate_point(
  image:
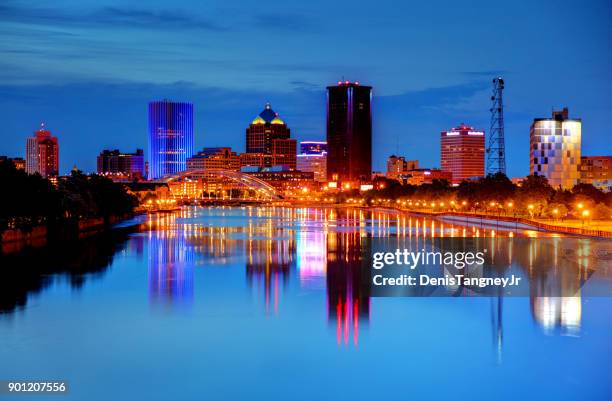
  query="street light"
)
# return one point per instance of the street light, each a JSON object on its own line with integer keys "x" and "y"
{"x": 585, "y": 215}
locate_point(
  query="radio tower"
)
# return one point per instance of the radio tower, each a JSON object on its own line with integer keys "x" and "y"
{"x": 496, "y": 150}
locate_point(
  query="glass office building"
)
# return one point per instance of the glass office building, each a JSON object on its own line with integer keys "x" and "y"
{"x": 170, "y": 137}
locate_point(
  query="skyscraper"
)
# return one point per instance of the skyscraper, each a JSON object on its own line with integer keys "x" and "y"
{"x": 170, "y": 137}
{"x": 268, "y": 141}
{"x": 462, "y": 153}
{"x": 349, "y": 132}
{"x": 555, "y": 149}
{"x": 42, "y": 153}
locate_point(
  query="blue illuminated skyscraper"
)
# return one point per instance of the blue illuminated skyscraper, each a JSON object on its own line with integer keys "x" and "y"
{"x": 170, "y": 137}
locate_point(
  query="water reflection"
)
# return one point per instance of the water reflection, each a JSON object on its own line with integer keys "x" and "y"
{"x": 320, "y": 249}
{"x": 348, "y": 301}
{"x": 34, "y": 270}
{"x": 170, "y": 268}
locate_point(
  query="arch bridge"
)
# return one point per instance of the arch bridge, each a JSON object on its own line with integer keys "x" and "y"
{"x": 228, "y": 180}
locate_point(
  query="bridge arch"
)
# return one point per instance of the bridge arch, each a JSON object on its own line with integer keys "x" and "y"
{"x": 241, "y": 180}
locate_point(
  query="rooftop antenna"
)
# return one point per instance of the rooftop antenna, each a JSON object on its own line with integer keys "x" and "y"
{"x": 496, "y": 148}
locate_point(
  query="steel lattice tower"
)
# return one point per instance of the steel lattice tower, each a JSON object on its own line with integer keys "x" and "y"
{"x": 496, "y": 149}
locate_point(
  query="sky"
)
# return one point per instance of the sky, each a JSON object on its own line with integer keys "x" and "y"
{"x": 88, "y": 69}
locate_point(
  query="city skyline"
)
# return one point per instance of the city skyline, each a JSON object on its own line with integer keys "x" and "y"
{"x": 422, "y": 84}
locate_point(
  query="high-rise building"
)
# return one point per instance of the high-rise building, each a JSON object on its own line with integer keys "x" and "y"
{"x": 268, "y": 141}
{"x": 313, "y": 158}
{"x": 349, "y": 132}
{"x": 42, "y": 153}
{"x": 214, "y": 159}
{"x": 462, "y": 153}
{"x": 170, "y": 137}
{"x": 597, "y": 171}
{"x": 555, "y": 149}
{"x": 398, "y": 166}
{"x": 121, "y": 165}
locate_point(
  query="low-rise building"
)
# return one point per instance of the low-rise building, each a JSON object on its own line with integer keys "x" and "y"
{"x": 597, "y": 171}
{"x": 398, "y": 166}
{"x": 427, "y": 176}
{"x": 214, "y": 159}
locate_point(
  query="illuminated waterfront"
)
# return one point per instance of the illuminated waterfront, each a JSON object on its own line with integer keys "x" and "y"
{"x": 267, "y": 303}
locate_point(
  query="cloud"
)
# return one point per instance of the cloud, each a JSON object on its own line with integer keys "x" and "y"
{"x": 109, "y": 17}
{"x": 287, "y": 22}
{"x": 487, "y": 73}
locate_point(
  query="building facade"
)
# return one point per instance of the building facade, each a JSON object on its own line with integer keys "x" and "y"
{"x": 214, "y": 159}
{"x": 597, "y": 171}
{"x": 555, "y": 149}
{"x": 398, "y": 166}
{"x": 462, "y": 153}
{"x": 349, "y": 132}
{"x": 426, "y": 176}
{"x": 313, "y": 159}
{"x": 171, "y": 137}
{"x": 18, "y": 162}
{"x": 120, "y": 165}
{"x": 268, "y": 141}
{"x": 313, "y": 147}
{"x": 42, "y": 153}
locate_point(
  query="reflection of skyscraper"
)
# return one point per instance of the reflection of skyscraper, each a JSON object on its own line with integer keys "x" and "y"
{"x": 311, "y": 256}
{"x": 269, "y": 261}
{"x": 170, "y": 137}
{"x": 348, "y": 301}
{"x": 349, "y": 132}
{"x": 171, "y": 261}
{"x": 42, "y": 153}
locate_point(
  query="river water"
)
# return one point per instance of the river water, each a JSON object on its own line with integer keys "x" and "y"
{"x": 267, "y": 303}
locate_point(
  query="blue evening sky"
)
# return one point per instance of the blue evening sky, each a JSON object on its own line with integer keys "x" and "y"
{"x": 88, "y": 68}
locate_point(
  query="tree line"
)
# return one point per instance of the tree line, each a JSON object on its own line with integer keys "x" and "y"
{"x": 30, "y": 199}
{"x": 534, "y": 196}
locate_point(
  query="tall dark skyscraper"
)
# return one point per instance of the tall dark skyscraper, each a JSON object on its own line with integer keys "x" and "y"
{"x": 170, "y": 137}
{"x": 349, "y": 132}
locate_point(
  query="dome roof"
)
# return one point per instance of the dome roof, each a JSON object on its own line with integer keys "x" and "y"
{"x": 268, "y": 116}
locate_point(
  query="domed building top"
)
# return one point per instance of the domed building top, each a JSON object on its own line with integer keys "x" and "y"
{"x": 268, "y": 116}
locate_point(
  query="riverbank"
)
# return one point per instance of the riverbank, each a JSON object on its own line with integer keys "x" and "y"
{"x": 600, "y": 229}
{"x": 17, "y": 239}
{"x": 564, "y": 227}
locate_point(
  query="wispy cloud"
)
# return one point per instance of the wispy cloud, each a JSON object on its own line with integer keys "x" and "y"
{"x": 287, "y": 22}
{"x": 109, "y": 17}
{"x": 486, "y": 73}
